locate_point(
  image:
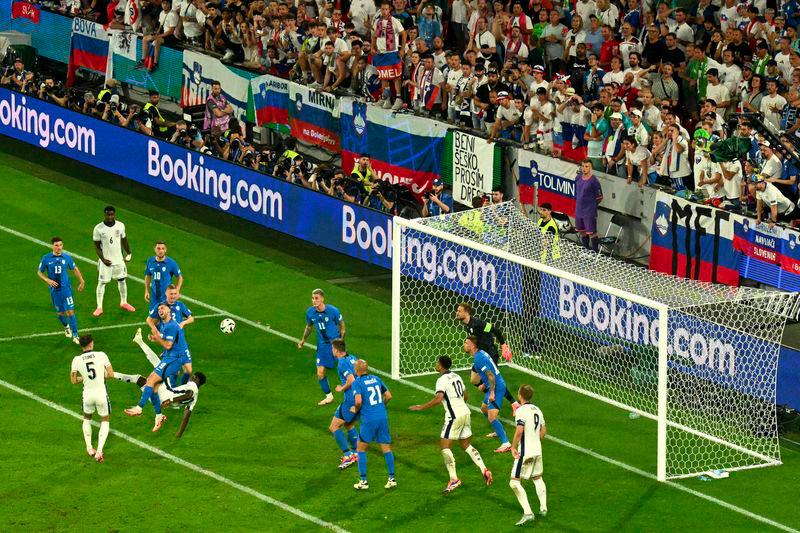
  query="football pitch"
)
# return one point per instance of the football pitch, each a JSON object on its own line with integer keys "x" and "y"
{"x": 257, "y": 455}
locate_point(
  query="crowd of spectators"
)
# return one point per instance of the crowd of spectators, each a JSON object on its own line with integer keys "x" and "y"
{"x": 641, "y": 88}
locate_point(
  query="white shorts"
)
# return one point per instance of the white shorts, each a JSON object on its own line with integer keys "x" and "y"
{"x": 525, "y": 467}
{"x": 107, "y": 273}
{"x": 98, "y": 402}
{"x": 457, "y": 428}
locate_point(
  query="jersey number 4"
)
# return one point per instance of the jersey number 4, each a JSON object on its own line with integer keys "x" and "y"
{"x": 91, "y": 371}
{"x": 375, "y": 396}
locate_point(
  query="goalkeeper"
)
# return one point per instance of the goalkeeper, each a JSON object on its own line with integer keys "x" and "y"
{"x": 486, "y": 333}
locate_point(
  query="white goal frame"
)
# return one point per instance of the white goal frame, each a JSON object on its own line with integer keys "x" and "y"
{"x": 400, "y": 225}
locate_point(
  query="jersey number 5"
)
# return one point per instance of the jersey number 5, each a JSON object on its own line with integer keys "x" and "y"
{"x": 91, "y": 371}
{"x": 375, "y": 396}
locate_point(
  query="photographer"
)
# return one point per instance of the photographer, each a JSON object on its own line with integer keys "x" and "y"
{"x": 348, "y": 189}
{"x": 187, "y": 135}
{"x": 265, "y": 160}
{"x": 50, "y": 92}
{"x": 387, "y": 194}
{"x": 300, "y": 171}
{"x": 138, "y": 120}
{"x": 437, "y": 200}
{"x": 113, "y": 111}
{"x": 16, "y": 77}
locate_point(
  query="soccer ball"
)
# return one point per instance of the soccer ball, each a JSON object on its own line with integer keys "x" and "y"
{"x": 227, "y": 326}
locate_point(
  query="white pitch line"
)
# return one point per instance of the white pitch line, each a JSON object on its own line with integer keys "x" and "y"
{"x": 97, "y": 328}
{"x": 581, "y": 449}
{"x": 177, "y": 460}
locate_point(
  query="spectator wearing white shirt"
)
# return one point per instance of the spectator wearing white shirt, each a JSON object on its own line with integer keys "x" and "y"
{"x": 730, "y": 74}
{"x": 629, "y": 44}
{"x": 718, "y": 92}
{"x": 165, "y": 35}
{"x": 192, "y": 21}
{"x": 515, "y": 47}
{"x": 637, "y": 130}
{"x": 607, "y": 13}
{"x": 784, "y": 59}
{"x": 772, "y": 105}
{"x": 584, "y": 8}
{"x": 683, "y": 31}
{"x": 574, "y": 36}
{"x": 636, "y": 157}
{"x": 506, "y": 116}
{"x": 767, "y": 195}
{"x": 772, "y": 168}
{"x": 675, "y": 163}
{"x": 361, "y": 14}
{"x": 539, "y": 122}
{"x": 483, "y": 43}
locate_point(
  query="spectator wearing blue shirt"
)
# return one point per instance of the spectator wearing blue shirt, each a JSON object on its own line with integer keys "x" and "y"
{"x": 437, "y": 201}
{"x": 428, "y": 25}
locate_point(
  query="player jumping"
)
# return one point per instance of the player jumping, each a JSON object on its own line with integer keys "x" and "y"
{"x": 57, "y": 265}
{"x": 527, "y": 452}
{"x": 109, "y": 241}
{"x": 450, "y": 390}
{"x": 91, "y": 368}
{"x": 158, "y": 274}
{"x": 329, "y": 324}
{"x": 343, "y": 416}
{"x": 179, "y": 313}
{"x": 486, "y": 333}
{"x": 485, "y": 371}
{"x": 371, "y": 397}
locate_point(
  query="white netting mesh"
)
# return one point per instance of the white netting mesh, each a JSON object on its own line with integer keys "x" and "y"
{"x": 579, "y": 332}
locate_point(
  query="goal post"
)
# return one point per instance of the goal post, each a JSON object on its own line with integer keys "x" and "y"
{"x": 688, "y": 355}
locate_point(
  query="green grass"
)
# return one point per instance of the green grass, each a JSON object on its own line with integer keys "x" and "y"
{"x": 257, "y": 422}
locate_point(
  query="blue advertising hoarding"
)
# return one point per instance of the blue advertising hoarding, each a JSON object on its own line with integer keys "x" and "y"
{"x": 273, "y": 203}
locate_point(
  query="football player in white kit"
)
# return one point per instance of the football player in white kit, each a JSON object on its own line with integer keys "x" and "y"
{"x": 526, "y": 448}
{"x": 91, "y": 368}
{"x": 109, "y": 242}
{"x": 451, "y": 392}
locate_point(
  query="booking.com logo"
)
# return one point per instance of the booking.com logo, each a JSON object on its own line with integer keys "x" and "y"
{"x": 15, "y": 114}
{"x": 454, "y": 266}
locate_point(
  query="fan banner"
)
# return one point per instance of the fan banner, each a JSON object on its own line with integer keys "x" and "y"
{"x": 25, "y": 10}
{"x": 271, "y": 101}
{"x": 123, "y": 43}
{"x": 89, "y": 48}
{"x": 472, "y": 167}
{"x": 314, "y": 117}
{"x": 200, "y": 70}
{"x": 693, "y": 241}
{"x": 769, "y": 255}
{"x": 554, "y": 180}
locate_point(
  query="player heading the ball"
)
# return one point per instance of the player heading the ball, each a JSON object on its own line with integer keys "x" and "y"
{"x": 57, "y": 265}
{"x": 328, "y": 322}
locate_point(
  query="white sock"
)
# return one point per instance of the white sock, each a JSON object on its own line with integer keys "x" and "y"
{"x": 128, "y": 378}
{"x": 541, "y": 492}
{"x": 87, "y": 433}
{"x": 450, "y": 463}
{"x": 123, "y": 291}
{"x": 522, "y": 496}
{"x": 149, "y": 353}
{"x": 102, "y": 435}
{"x": 101, "y": 291}
{"x": 475, "y": 455}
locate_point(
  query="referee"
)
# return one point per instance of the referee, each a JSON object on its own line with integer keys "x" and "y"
{"x": 486, "y": 333}
{"x": 549, "y": 230}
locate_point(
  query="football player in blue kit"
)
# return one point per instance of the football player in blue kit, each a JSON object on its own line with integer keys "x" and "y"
{"x": 180, "y": 314}
{"x": 328, "y": 322}
{"x": 158, "y": 274}
{"x": 344, "y": 417}
{"x": 54, "y": 270}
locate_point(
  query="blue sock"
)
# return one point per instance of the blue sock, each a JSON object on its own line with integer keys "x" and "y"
{"x": 147, "y": 392}
{"x": 62, "y": 319}
{"x": 389, "y": 457}
{"x": 323, "y": 384}
{"x": 156, "y": 401}
{"x": 501, "y": 433}
{"x": 352, "y": 436}
{"x": 185, "y": 378}
{"x": 73, "y": 324}
{"x": 341, "y": 441}
{"x": 362, "y": 465}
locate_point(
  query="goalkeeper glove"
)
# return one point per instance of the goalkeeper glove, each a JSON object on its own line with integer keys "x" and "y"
{"x": 507, "y": 355}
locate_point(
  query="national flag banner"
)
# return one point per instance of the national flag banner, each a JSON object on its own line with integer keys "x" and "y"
{"x": 693, "y": 241}
{"x": 475, "y": 165}
{"x": 133, "y": 14}
{"x": 314, "y": 117}
{"x": 769, "y": 255}
{"x": 554, "y": 180}
{"x": 200, "y": 70}
{"x": 25, "y": 10}
{"x": 123, "y": 43}
{"x": 404, "y": 148}
{"x": 271, "y": 100}
{"x": 89, "y": 48}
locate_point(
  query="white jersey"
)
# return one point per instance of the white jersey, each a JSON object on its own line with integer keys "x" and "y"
{"x": 91, "y": 366}
{"x": 170, "y": 393}
{"x": 110, "y": 238}
{"x": 451, "y": 385}
{"x": 531, "y": 419}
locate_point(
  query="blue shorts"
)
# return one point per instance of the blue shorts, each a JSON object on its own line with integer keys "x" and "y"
{"x": 62, "y": 300}
{"x": 499, "y": 393}
{"x": 186, "y": 358}
{"x": 375, "y": 431}
{"x": 343, "y": 412}
{"x": 167, "y": 368}
{"x": 325, "y": 356}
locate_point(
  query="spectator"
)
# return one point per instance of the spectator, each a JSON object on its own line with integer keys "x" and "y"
{"x": 437, "y": 201}
{"x": 772, "y": 105}
{"x": 429, "y": 25}
{"x": 767, "y": 195}
{"x": 636, "y": 159}
{"x": 164, "y": 35}
{"x": 596, "y": 134}
{"x": 192, "y": 19}
{"x": 16, "y": 77}
{"x": 388, "y": 41}
{"x": 506, "y": 117}
{"x": 675, "y": 163}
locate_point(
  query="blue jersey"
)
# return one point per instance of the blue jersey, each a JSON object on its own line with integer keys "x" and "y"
{"x": 325, "y": 322}
{"x": 56, "y": 267}
{"x": 484, "y": 366}
{"x": 171, "y": 331}
{"x": 371, "y": 389}
{"x": 178, "y": 310}
{"x": 345, "y": 368}
{"x": 161, "y": 273}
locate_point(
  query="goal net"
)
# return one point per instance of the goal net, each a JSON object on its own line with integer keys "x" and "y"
{"x": 699, "y": 359}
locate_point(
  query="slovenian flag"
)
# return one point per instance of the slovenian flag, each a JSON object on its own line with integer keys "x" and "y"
{"x": 271, "y": 100}
{"x": 430, "y": 97}
{"x": 89, "y": 48}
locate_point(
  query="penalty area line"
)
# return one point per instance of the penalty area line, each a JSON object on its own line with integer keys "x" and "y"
{"x": 575, "y": 447}
{"x": 96, "y": 328}
{"x": 182, "y": 462}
